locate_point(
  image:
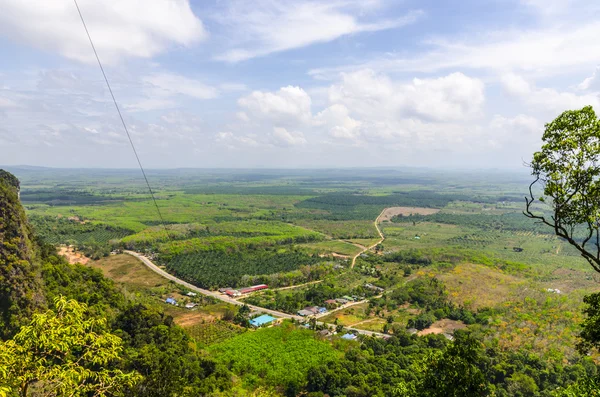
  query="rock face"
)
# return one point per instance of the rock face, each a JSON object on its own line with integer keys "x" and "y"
{"x": 20, "y": 285}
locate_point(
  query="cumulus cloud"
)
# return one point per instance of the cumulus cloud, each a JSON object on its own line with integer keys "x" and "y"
{"x": 548, "y": 100}
{"x": 363, "y": 108}
{"x": 119, "y": 28}
{"x": 452, "y": 97}
{"x": 336, "y": 118}
{"x": 287, "y": 104}
{"x": 264, "y": 27}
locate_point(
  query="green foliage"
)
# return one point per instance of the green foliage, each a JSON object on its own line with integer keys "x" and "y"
{"x": 217, "y": 331}
{"x": 585, "y": 387}
{"x": 511, "y": 221}
{"x": 19, "y": 280}
{"x": 67, "y": 231}
{"x": 590, "y": 332}
{"x": 460, "y": 371}
{"x": 64, "y": 352}
{"x": 161, "y": 351}
{"x": 277, "y": 356}
{"x": 568, "y": 170}
{"x": 219, "y": 268}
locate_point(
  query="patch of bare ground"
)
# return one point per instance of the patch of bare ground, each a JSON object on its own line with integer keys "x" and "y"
{"x": 128, "y": 270}
{"x": 388, "y": 213}
{"x": 191, "y": 318}
{"x": 73, "y": 256}
{"x": 475, "y": 286}
{"x": 443, "y": 326}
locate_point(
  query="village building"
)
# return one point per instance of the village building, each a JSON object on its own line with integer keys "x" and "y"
{"x": 262, "y": 320}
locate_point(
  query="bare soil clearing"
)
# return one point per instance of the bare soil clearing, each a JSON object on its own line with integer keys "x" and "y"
{"x": 127, "y": 269}
{"x": 73, "y": 256}
{"x": 443, "y": 326}
{"x": 388, "y": 213}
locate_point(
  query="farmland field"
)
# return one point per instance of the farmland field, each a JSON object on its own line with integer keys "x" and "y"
{"x": 457, "y": 253}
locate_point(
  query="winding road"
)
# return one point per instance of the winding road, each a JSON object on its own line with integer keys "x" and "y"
{"x": 225, "y": 298}
{"x": 381, "y": 238}
{"x": 222, "y": 297}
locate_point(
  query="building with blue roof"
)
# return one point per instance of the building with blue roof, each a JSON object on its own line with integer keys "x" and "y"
{"x": 262, "y": 320}
{"x": 349, "y": 336}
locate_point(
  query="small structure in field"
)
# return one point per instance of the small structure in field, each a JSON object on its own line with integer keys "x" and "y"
{"x": 254, "y": 288}
{"x": 349, "y": 336}
{"x": 190, "y": 293}
{"x": 374, "y": 287}
{"x": 191, "y": 305}
{"x": 262, "y": 320}
{"x": 171, "y": 301}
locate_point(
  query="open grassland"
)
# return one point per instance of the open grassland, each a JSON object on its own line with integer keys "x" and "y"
{"x": 341, "y": 229}
{"x": 333, "y": 246}
{"x": 475, "y": 286}
{"x": 128, "y": 270}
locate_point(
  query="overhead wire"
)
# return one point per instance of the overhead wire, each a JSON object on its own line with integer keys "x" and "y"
{"x": 162, "y": 220}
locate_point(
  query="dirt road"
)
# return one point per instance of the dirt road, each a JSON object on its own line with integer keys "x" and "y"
{"x": 228, "y": 299}
{"x": 381, "y": 238}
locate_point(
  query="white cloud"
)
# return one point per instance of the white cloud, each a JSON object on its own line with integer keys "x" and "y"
{"x": 363, "y": 108}
{"x": 283, "y": 137}
{"x": 515, "y": 84}
{"x": 338, "y": 121}
{"x": 172, "y": 84}
{"x": 552, "y": 49}
{"x": 263, "y": 27}
{"x": 447, "y": 98}
{"x": 591, "y": 83}
{"x": 549, "y": 100}
{"x": 119, "y": 28}
{"x": 288, "y": 104}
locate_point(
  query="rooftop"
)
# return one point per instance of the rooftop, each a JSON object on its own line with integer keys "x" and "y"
{"x": 261, "y": 320}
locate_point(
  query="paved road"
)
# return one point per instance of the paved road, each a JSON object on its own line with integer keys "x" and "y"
{"x": 225, "y": 298}
{"x": 381, "y": 238}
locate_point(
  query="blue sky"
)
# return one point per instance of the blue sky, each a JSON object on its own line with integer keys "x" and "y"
{"x": 456, "y": 84}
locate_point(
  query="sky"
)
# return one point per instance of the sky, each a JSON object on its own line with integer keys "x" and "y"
{"x": 292, "y": 84}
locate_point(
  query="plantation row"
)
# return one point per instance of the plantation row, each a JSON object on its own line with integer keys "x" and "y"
{"x": 215, "y": 269}
{"x": 213, "y": 332}
{"x": 227, "y": 235}
{"x": 509, "y": 222}
{"x": 348, "y": 206}
{"x": 63, "y": 231}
